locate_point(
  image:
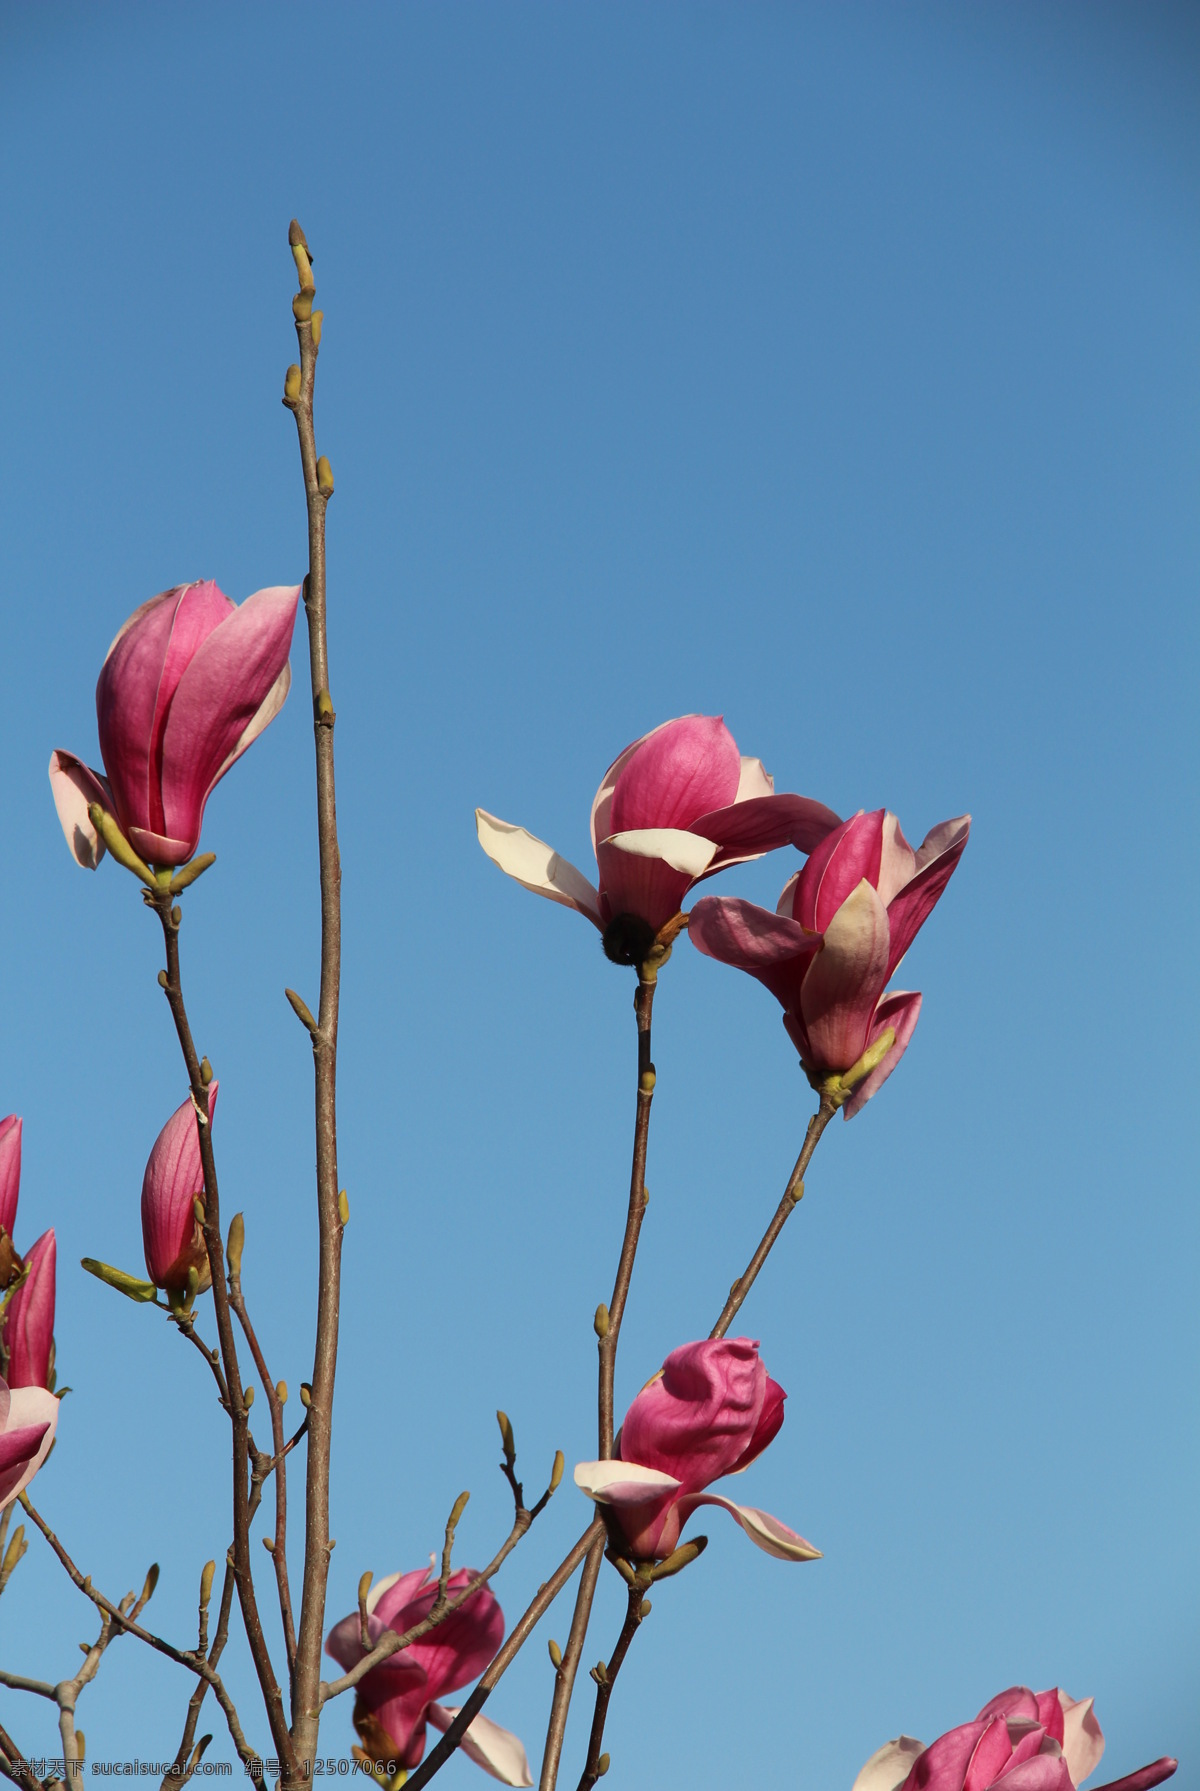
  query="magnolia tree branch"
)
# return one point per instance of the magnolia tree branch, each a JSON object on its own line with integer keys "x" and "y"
{"x": 605, "y": 1675}
{"x": 198, "y": 1079}
{"x": 608, "y": 1327}
{"x": 318, "y": 488}
{"x": 275, "y": 1405}
{"x": 12, "y": 1763}
{"x": 125, "y": 1623}
{"x": 792, "y": 1195}
{"x": 546, "y": 1594}
{"x": 185, "y": 1762}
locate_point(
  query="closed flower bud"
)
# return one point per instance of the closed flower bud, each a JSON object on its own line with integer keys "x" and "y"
{"x": 171, "y": 1234}
{"x": 29, "y": 1319}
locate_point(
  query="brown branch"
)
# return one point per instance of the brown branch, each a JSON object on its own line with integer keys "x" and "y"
{"x": 608, "y": 1325}
{"x": 605, "y": 1675}
{"x": 12, "y": 1763}
{"x": 546, "y": 1594}
{"x": 181, "y": 1761}
{"x": 172, "y": 986}
{"x": 126, "y": 1625}
{"x": 792, "y": 1195}
{"x": 18, "y": 1682}
{"x": 318, "y": 487}
{"x": 279, "y": 1542}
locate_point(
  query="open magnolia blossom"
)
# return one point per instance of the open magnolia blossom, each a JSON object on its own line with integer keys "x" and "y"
{"x": 678, "y": 805}
{"x": 396, "y": 1699}
{"x": 842, "y": 926}
{"x": 29, "y": 1319}
{"x": 172, "y": 1237}
{"x": 1020, "y": 1741}
{"x": 190, "y": 681}
{"x": 10, "y": 1170}
{"x": 711, "y": 1410}
{"x": 28, "y": 1419}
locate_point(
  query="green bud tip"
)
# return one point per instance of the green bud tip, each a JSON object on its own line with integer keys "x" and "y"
{"x": 343, "y": 1207}
{"x": 193, "y": 1281}
{"x": 324, "y": 477}
{"x": 305, "y": 1395}
{"x": 602, "y": 1765}
{"x": 268, "y": 1543}
{"x": 281, "y": 1392}
{"x": 176, "y": 914}
{"x": 506, "y": 1433}
{"x": 198, "y": 1209}
{"x": 364, "y": 1586}
{"x": 646, "y": 1081}
{"x": 163, "y": 979}
{"x": 206, "y": 1581}
{"x": 318, "y": 318}
{"x": 291, "y": 384}
{"x": 600, "y": 1322}
{"x": 206, "y": 1072}
{"x": 460, "y": 1505}
{"x": 556, "y": 1472}
{"x": 130, "y": 1285}
{"x": 555, "y": 1653}
{"x": 645, "y": 1608}
{"x": 187, "y": 874}
{"x": 150, "y": 1582}
{"x": 236, "y": 1243}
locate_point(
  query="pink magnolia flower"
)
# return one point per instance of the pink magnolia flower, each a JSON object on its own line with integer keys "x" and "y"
{"x": 396, "y": 1700}
{"x": 10, "y": 1170}
{"x": 191, "y": 680}
{"x": 711, "y": 1410}
{"x": 1020, "y": 1741}
{"x": 29, "y": 1319}
{"x": 841, "y": 928}
{"x": 28, "y": 1419}
{"x": 678, "y": 805}
{"x": 171, "y": 1234}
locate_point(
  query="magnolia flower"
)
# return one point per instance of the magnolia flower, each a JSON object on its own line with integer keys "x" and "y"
{"x": 710, "y": 1410}
{"x": 172, "y": 1236}
{"x": 841, "y": 928}
{"x": 678, "y": 805}
{"x": 1021, "y": 1741}
{"x": 29, "y": 1319}
{"x": 28, "y": 1417}
{"x": 10, "y": 1170}
{"x": 395, "y": 1700}
{"x": 191, "y": 680}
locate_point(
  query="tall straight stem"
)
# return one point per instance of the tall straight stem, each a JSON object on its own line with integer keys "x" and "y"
{"x": 317, "y": 490}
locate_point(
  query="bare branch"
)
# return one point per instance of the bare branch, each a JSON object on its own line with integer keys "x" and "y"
{"x": 275, "y": 1404}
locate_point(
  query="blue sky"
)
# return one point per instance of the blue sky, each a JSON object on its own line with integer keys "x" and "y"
{"x": 831, "y": 368}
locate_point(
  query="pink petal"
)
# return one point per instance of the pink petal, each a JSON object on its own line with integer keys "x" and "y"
{"x": 765, "y": 1532}
{"x": 699, "y": 1417}
{"x": 1082, "y": 1736}
{"x": 1050, "y": 1708}
{"x": 836, "y": 867}
{"x": 844, "y": 982}
{"x": 889, "y": 1766}
{"x": 936, "y": 862}
{"x": 762, "y": 824}
{"x": 31, "y": 1421}
{"x": 74, "y": 786}
{"x": 898, "y": 861}
{"x": 497, "y": 1750}
{"x": 602, "y": 801}
{"x": 989, "y": 1757}
{"x": 753, "y": 780}
{"x": 776, "y": 950}
{"x": 10, "y": 1170}
{"x": 29, "y": 1320}
{"x": 137, "y": 681}
{"x": 536, "y": 866}
{"x": 1018, "y": 1701}
{"x": 1144, "y": 1778}
{"x": 216, "y": 705}
{"x": 394, "y": 1593}
{"x": 461, "y": 1646}
{"x": 900, "y": 1010}
{"x": 643, "y": 1500}
{"x": 684, "y": 769}
{"x": 631, "y": 883}
{"x": 173, "y": 1178}
{"x": 943, "y": 1765}
{"x": 770, "y": 1421}
{"x": 1046, "y": 1772}
{"x": 786, "y": 906}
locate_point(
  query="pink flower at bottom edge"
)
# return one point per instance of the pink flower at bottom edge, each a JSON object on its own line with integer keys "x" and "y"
{"x": 1020, "y": 1741}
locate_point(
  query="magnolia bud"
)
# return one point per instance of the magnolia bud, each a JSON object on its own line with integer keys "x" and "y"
{"x": 600, "y": 1322}
{"x": 602, "y": 1765}
{"x": 324, "y": 478}
{"x": 235, "y": 1243}
{"x": 291, "y": 385}
{"x": 556, "y": 1472}
{"x": 305, "y": 1395}
{"x": 206, "y": 1582}
{"x": 555, "y": 1653}
{"x": 281, "y": 1392}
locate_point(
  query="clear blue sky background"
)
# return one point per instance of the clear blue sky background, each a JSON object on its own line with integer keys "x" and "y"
{"x": 830, "y": 367}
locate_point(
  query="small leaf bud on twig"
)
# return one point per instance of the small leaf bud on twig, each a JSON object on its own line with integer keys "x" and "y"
{"x": 186, "y": 876}
{"x": 600, "y": 1322}
{"x": 206, "y": 1583}
{"x": 300, "y": 1009}
{"x": 268, "y": 1543}
{"x": 318, "y": 318}
{"x": 305, "y": 1395}
{"x": 235, "y": 1244}
{"x": 176, "y": 915}
{"x": 291, "y": 385}
{"x": 281, "y": 1392}
{"x": 644, "y": 1610}
{"x": 163, "y": 979}
{"x": 343, "y": 1207}
{"x": 556, "y": 1472}
{"x": 683, "y": 1557}
{"x": 602, "y": 1765}
{"x": 130, "y": 1285}
{"x": 148, "y": 1586}
{"x": 324, "y": 476}
{"x": 248, "y": 1397}
{"x": 555, "y": 1653}
{"x": 206, "y": 1071}
{"x": 198, "y": 1208}
{"x": 506, "y": 1434}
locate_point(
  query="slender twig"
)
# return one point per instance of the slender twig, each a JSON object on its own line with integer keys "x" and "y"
{"x": 605, "y": 1675}
{"x": 18, "y": 1682}
{"x": 275, "y": 1404}
{"x": 12, "y": 1763}
{"x": 609, "y": 1327}
{"x": 184, "y": 1323}
{"x": 169, "y": 916}
{"x": 172, "y": 1778}
{"x": 791, "y": 1199}
{"x": 127, "y": 1625}
{"x": 318, "y": 487}
{"x": 546, "y": 1594}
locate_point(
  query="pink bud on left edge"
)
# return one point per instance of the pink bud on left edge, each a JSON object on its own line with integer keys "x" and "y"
{"x": 29, "y": 1320}
{"x": 10, "y": 1170}
{"x": 171, "y": 1234}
